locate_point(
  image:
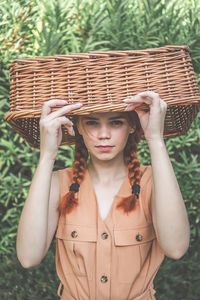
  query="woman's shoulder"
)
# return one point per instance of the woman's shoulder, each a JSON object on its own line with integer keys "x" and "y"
{"x": 64, "y": 174}
{"x": 64, "y": 178}
{"x": 64, "y": 170}
{"x": 145, "y": 168}
{"x": 146, "y": 173}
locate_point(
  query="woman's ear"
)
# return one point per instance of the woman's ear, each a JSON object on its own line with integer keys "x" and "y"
{"x": 78, "y": 126}
{"x": 132, "y": 130}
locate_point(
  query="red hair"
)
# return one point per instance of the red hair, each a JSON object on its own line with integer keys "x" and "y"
{"x": 70, "y": 201}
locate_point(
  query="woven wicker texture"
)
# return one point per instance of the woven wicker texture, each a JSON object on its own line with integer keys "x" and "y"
{"x": 101, "y": 80}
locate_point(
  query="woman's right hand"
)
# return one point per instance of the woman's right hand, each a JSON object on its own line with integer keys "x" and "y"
{"x": 50, "y": 126}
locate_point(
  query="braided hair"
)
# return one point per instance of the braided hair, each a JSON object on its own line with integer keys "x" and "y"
{"x": 131, "y": 160}
{"x": 70, "y": 201}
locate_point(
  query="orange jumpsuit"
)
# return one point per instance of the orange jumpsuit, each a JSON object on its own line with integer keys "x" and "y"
{"x": 112, "y": 259}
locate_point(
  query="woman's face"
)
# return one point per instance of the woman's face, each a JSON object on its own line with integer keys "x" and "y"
{"x": 105, "y": 134}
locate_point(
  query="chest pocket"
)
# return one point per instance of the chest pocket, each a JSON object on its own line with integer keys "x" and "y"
{"x": 133, "y": 247}
{"x": 76, "y": 246}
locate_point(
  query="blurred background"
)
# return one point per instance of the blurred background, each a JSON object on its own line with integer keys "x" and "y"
{"x": 48, "y": 27}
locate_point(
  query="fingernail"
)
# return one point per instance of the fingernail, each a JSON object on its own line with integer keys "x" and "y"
{"x": 129, "y": 98}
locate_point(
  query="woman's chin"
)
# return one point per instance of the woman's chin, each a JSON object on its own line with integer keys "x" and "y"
{"x": 105, "y": 156}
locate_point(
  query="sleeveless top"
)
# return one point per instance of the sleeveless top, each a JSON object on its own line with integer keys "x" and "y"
{"x": 116, "y": 258}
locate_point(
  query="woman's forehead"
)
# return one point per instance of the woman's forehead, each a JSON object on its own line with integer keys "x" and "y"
{"x": 105, "y": 115}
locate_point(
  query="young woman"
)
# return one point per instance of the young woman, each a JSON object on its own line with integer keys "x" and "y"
{"x": 114, "y": 219}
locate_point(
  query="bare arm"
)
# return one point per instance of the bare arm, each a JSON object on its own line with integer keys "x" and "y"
{"x": 168, "y": 208}
{"x": 34, "y": 230}
{"x": 39, "y": 216}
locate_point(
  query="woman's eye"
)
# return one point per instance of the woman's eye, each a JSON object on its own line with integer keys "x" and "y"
{"x": 91, "y": 123}
{"x": 117, "y": 123}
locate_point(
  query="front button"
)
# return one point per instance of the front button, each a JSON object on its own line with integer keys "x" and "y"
{"x": 104, "y": 236}
{"x": 104, "y": 279}
{"x": 74, "y": 234}
{"x": 139, "y": 237}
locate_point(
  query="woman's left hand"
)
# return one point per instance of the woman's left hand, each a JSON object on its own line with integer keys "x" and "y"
{"x": 152, "y": 122}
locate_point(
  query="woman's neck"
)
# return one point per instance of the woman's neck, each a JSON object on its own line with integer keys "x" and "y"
{"x": 107, "y": 171}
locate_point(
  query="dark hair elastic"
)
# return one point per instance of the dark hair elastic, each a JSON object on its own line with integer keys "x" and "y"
{"x": 74, "y": 187}
{"x": 136, "y": 189}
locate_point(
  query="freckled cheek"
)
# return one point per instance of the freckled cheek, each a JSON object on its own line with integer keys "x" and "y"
{"x": 122, "y": 141}
{"x": 91, "y": 133}
{"x": 121, "y": 136}
{"x": 90, "y": 141}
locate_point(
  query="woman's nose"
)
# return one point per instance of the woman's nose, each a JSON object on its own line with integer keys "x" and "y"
{"x": 104, "y": 132}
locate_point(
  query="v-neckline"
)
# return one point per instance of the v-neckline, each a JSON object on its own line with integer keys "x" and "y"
{"x": 124, "y": 191}
{"x": 115, "y": 198}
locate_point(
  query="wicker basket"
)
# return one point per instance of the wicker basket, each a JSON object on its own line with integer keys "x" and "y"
{"x": 101, "y": 80}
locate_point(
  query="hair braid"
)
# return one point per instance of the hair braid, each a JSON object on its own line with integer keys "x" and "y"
{"x": 70, "y": 201}
{"x": 131, "y": 159}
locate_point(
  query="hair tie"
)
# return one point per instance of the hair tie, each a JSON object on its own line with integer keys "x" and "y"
{"x": 136, "y": 189}
{"x": 74, "y": 187}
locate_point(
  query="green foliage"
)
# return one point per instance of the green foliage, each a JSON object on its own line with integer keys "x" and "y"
{"x": 37, "y": 283}
{"x": 43, "y": 27}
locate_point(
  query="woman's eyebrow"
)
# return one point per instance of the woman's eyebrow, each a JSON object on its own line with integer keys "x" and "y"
{"x": 90, "y": 118}
{"x": 117, "y": 117}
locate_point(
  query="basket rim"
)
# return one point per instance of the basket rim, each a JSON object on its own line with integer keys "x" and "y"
{"x": 118, "y": 107}
{"x": 101, "y": 54}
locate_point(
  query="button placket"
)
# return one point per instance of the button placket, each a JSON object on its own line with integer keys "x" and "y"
{"x": 103, "y": 262}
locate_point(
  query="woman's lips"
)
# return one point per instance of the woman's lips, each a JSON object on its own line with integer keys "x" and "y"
{"x": 104, "y": 148}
